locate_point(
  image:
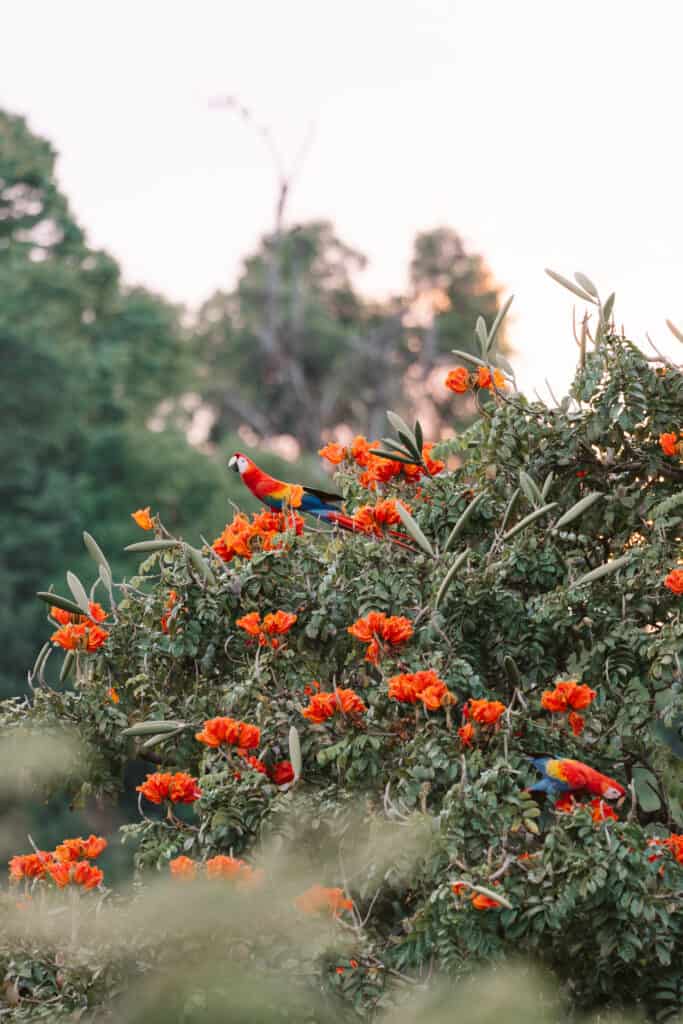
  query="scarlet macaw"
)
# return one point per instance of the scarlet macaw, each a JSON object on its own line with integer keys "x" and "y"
{"x": 278, "y": 495}
{"x": 565, "y": 775}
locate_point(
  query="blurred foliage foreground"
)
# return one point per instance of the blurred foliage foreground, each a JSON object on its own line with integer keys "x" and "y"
{"x": 337, "y": 823}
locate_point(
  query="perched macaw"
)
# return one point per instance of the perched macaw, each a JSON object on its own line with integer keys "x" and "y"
{"x": 277, "y": 494}
{"x": 565, "y": 775}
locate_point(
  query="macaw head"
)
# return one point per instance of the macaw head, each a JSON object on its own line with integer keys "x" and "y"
{"x": 240, "y": 463}
{"x": 613, "y": 790}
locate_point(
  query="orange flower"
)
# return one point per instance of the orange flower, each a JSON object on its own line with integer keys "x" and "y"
{"x": 600, "y": 811}
{"x": 218, "y": 730}
{"x": 180, "y": 788}
{"x": 457, "y": 888}
{"x": 674, "y": 844}
{"x": 568, "y": 694}
{"x": 170, "y": 602}
{"x": 458, "y": 380}
{"x": 466, "y": 734}
{"x": 235, "y": 539}
{"x": 81, "y": 637}
{"x": 425, "y": 686}
{"x": 226, "y": 730}
{"x": 228, "y": 867}
{"x": 486, "y": 380}
{"x": 318, "y": 899}
{"x": 113, "y": 695}
{"x": 278, "y": 622}
{"x": 674, "y": 581}
{"x": 282, "y": 773}
{"x": 86, "y": 874}
{"x": 183, "y": 789}
{"x": 267, "y": 527}
{"x": 60, "y": 873}
{"x": 183, "y": 867}
{"x": 482, "y": 902}
{"x": 250, "y": 623}
{"x": 576, "y": 723}
{"x": 434, "y": 466}
{"x": 669, "y": 443}
{"x": 96, "y": 613}
{"x": 249, "y": 736}
{"x": 565, "y": 804}
{"x": 334, "y": 453}
{"x": 75, "y": 849}
{"x": 143, "y": 518}
{"x": 324, "y": 705}
{"x": 376, "y": 627}
{"x": 386, "y": 513}
{"x": 360, "y": 450}
{"x": 485, "y": 712}
{"x": 29, "y": 865}
{"x": 94, "y": 638}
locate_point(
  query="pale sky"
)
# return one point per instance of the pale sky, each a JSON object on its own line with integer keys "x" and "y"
{"x": 548, "y": 134}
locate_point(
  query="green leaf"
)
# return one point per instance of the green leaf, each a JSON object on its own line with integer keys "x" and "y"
{"x": 67, "y": 666}
{"x": 95, "y": 551}
{"x": 587, "y": 285}
{"x": 295, "y": 752}
{"x": 571, "y": 287}
{"x": 394, "y": 456}
{"x": 152, "y": 727}
{"x": 674, "y": 330}
{"x": 575, "y": 511}
{"x": 608, "y": 307}
{"x": 400, "y": 425}
{"x": 530, "y": 489}
{"x": 462, "y": 521}
{"x": 78, "y": 591}
{"x": 482, "y": 334}
{"x": 502, "y": 313}
{"x": 449, "y": 577}
{"x": 603, "y": 570}
{"x": 467, "y": 355}
{"x": 200, "y": 564}
{"x": 528, "y": 520}
{"x": 512, "y": 670}
{"x": 166, "y": 735}
{"x": 413, "y": 529}
{"x": 60, "y": 602}
{"x": 646, "y": 789}
{"x": 547, "y": 484}
{"x": 419, "y": 436}
{"x": 153, "y": 545}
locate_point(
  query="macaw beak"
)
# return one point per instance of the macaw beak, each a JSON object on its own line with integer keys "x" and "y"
{"x": 232, "y": 464}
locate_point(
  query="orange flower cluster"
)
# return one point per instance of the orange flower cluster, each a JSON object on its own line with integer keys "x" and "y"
{"x": 480, "y": 901}
{"x": 671, "y": 444}
{"x": 425, "y": 686}
{"x": 378, "y": 629}
{"x": 266, "y": 528}
{"x": 217, "y": 731}
{"x": 67, "y": 865}
{"x": 180, "y": 788}
{"x": 483, "y": 712}
{"x": 374, "y": 518}
{"x": 29, "y": 865}
{"x": 600, "y": 811}
{"x": 79, "y": 872}
{"x": 282, "y": 773}
{"x": 324, "y": 705}
{"x": 77, "y": 849}
{"x": 319, "y": 899}
{"x": 79, "y": 632}
{"x": 274, "y": 624}
{"x": 217, "y": 867}
{"x": 378, "y": 470}
{"x": 461, "y": 380}
{"x": 143, "y": 518}
{"x": 568, "y": 695}
{"x": 674, "y": 581}
{"x": 466, "y": 734}
{"x": 170, "y": 602}
{"x": 674, "y": 844}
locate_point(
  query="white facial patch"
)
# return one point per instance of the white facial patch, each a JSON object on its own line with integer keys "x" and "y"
{"x": 611, "y": 793}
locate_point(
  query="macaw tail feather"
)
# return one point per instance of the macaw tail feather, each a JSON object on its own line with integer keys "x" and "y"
{"x": 345, "y": 522}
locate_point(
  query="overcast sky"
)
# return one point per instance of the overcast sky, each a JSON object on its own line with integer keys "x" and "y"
{"x": 548, "y": 134}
